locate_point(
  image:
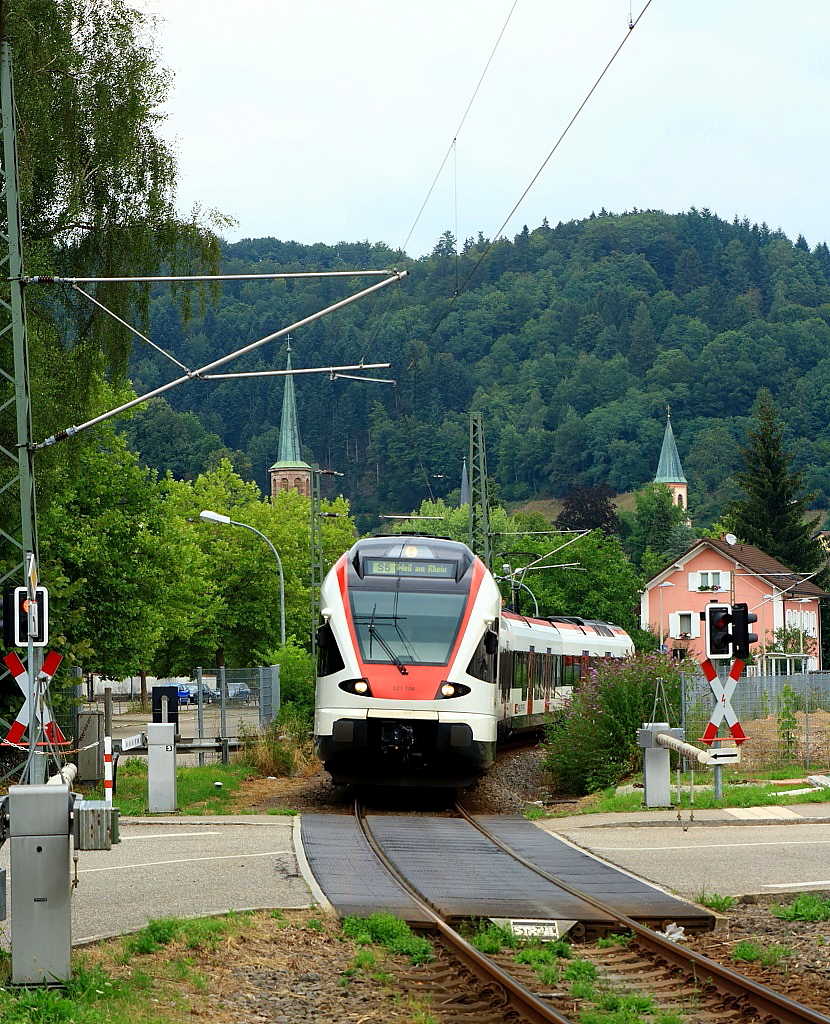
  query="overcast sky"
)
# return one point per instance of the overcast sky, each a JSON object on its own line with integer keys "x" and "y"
{"x": 328, "y": 120}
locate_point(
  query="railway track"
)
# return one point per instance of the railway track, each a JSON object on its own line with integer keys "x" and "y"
{"x": 652, "y": 961}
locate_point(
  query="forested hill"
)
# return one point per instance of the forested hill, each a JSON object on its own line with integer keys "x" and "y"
{"x": 571, "y": 341}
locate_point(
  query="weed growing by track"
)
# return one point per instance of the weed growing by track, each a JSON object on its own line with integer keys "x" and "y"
{"x": 807, "y": 906}
{"x": 716, "y": 902}
{"x": 391, "y": 933}
{"x": 750, "y": 952}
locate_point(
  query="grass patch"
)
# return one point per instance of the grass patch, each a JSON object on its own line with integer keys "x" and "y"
{"x": 196, "y": 789}
{"x": 490, "y": 938}
{"x": 547, "y": 953}
{"x": 807, "y": 906}
{"x": 608, "y": 941}
{"x": 533, "y": 812}
{"x": 197, "y": 933}
{"x": 735, "y": 794}
{"x": 391, "y": 933}
{"x": 111, "y": 985}
{"x": 715, "y": 902}
{"x": 750, "y": 952}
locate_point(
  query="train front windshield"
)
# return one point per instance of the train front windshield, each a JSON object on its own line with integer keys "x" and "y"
{"x": 413, "y": 628}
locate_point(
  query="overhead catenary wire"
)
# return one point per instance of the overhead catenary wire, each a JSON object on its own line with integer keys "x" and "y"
{"x": 452, "y": 145}
{"x": 631, "y": 26}
{"x": 459, "y": 289}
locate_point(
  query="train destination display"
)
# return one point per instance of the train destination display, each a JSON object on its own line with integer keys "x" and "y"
{"x": 409, "y": 567}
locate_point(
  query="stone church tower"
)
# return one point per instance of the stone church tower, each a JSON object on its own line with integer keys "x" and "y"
{"x": 669, "y": 469}
{"x": 290, "y": 472}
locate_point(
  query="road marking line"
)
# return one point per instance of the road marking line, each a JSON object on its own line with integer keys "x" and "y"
{"x": 167, "y": 835}
{"x": 185, "y": 860}
{"x": 704, "y": 846}
{"x": 795, "y": 885}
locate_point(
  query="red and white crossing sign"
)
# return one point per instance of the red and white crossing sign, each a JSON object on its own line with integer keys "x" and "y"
{"x": 24, "y": 716}
{"x": 723, "y": 710}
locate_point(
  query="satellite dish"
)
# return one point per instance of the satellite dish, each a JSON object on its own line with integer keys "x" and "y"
{"x": 731, "y": 539}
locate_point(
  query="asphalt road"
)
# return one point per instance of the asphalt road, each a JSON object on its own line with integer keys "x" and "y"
{"x": 199, "y": 866}
{"x": 730, "y": 860}
{"x": 183, "y": 867}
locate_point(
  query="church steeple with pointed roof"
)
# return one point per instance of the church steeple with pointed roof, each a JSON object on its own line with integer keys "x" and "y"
{"x": 669, "y": 469}
{"x": 290, "y": 472}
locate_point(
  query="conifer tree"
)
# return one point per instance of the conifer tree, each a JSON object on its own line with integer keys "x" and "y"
{"x": 771, "y": 511}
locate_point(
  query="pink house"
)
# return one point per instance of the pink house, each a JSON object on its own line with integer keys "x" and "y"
{"x": 730, "y": 572}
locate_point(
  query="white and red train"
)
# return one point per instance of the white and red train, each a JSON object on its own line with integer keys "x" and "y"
{"x": 421, "y": 671}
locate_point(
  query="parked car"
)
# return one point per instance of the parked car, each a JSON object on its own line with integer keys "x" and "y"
{"x": 192, "y": 691}
{"x": 239, "y": 693}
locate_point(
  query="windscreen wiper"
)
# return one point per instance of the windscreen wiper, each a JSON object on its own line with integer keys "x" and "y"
{"x": 373, "y": 632}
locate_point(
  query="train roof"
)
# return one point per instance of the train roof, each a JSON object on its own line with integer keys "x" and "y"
{"x": 425, "y": 553}
{"x": 576, "y": 634}
{"x": 568, "y": 624}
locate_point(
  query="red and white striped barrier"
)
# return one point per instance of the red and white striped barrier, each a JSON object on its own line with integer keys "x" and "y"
{"x": 24, "y": 716}
{"x": 108, "y": 770}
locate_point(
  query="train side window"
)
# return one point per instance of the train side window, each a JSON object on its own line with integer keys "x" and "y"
{"x": 483, "y": 662}
{"x": 329, "y": 658}
{"x": 539, "y": 677}
{"x": 520, "y": 673}
{"x": 570, "y": 671}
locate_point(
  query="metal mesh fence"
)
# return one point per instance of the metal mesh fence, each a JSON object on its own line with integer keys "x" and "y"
{"x": 785, "y": 717}
{"x": 212, "y": 705}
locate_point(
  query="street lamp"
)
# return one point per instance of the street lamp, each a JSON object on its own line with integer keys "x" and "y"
{"x": 660, "y": 587}
{"x": 215, "y": 517}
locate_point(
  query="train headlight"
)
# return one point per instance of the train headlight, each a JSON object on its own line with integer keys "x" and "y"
{"x": 359, "y": 686}
{"x": 447, "y": 690}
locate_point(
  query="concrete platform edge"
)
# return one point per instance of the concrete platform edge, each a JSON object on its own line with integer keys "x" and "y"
{"x": 305, "y": 869}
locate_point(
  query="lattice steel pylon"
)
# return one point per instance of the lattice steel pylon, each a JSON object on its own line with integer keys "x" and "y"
{"x": 18, "y": 518}
{"x": 479, "y": 518}
{"x": 18, "y": 529}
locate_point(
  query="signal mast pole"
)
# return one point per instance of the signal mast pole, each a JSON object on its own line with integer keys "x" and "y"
{"x": 20, "y": 534}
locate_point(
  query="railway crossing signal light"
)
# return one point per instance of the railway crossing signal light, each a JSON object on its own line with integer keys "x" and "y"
{"x": 742, "y": 617}
{"x": 718, "y": 618}
{"x": 20, "y": 615}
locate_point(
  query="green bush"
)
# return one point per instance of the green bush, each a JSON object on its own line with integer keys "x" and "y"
{"x": 298, "y": 674}
{"x": 592, "y": 742}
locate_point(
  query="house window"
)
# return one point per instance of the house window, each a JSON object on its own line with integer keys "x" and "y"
{"x": 710, "y": 581}
{"x": 684, "y": 625}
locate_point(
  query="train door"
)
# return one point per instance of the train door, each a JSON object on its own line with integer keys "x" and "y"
{"x": 505, "y": 686}
{"x": 531, "y": 680}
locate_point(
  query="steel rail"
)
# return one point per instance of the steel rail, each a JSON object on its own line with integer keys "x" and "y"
{"x": 520, "y": 999}
{"x": 723, "y": 979}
